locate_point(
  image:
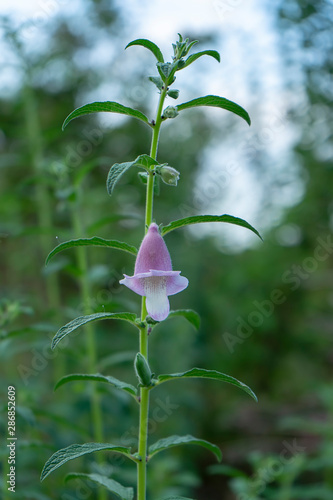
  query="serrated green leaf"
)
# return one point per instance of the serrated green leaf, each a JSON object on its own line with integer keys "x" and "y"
{"x": 101, "y": 107}
{"x": 216, "y": 102}
{"x": 111, "y": 485}
{"x": 118, "y": 169}
{"x": 94, "y": 241}
{"x": 198, "y": 219}
{"x": 191, "y": 316}
{"x": 194, "y": 57}
{"x": 115, "y": 172}
{"x": 73, "y": 451}
{"x": 148, "y": 45}
{"x": 170, "y": 442}
{"x": 165, "y": 69}
{"x": 98, "y": 378}
{"x": 209, "y": 374}
{"x": 82, "y": 320}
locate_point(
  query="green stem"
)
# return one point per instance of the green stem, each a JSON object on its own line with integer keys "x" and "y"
{"x": 85, "y": 290}
{"x": 144, "y": 391}
{"x": 43, "y": 206}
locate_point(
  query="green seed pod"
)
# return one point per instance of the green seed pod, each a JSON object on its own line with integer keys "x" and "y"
{"x": 142, "y": 370}
{"x": 170, "y": 112}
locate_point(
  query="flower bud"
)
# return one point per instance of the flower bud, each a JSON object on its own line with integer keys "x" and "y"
{"x": 169, "y": 175}
{"x": 170, "y": 112}
{"x": 164, "y": 70}
{"x": 142, "y": 370}
{"x": 173, "y": 93}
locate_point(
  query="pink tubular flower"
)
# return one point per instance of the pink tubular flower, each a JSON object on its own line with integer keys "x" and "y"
{"x": 153, "y": 275}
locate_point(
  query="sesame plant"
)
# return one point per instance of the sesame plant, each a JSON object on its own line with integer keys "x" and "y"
{"x": 154, "y": 278}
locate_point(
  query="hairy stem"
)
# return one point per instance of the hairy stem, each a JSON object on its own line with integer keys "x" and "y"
{"x": 144, "y": 391}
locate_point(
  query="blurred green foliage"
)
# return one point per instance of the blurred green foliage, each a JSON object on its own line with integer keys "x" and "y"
{"x": 279, "y": 343}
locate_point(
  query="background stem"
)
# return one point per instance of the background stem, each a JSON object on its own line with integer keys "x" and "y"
{"x": 44, "y": 208}
{"x": 85, "y": 292}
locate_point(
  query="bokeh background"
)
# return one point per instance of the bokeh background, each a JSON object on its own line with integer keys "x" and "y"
{"x": 266, "y": 307}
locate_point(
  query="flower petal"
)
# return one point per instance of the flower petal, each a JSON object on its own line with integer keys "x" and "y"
{"x": 153, "y": 252}
{"x": 175, "y": 284}
{"x": 134, "y": 283}
{"x": 157, "y": 302}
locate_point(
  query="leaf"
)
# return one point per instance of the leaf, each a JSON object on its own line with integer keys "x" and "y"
{"x": 94, "y": 241}
{"x": 145, "y": 161}
{"x": 156, "y": 80}
{"x": 115, "y": 172}
{"x": 209, "y": 374}
{"x": 111, "y": 485}
{"x": 191, "y": 316}
{"x": 118, "y": 169}
{"x": 150, "y": 46}
{"x": 82, "y": 320}
{"x": 217, "y": 102}
{"x": 194, "y": 57}
{"x": 98, "y": 378}
{"x": 106, "y": 106}
{"x": 197, "y": 219}
{"x": 165, "y": 70}
{"x": 73, "y": 451}
{"x": 170, "y": 442}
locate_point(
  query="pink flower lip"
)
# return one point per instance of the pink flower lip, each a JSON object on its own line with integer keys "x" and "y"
{"x": 153, "y": 275}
